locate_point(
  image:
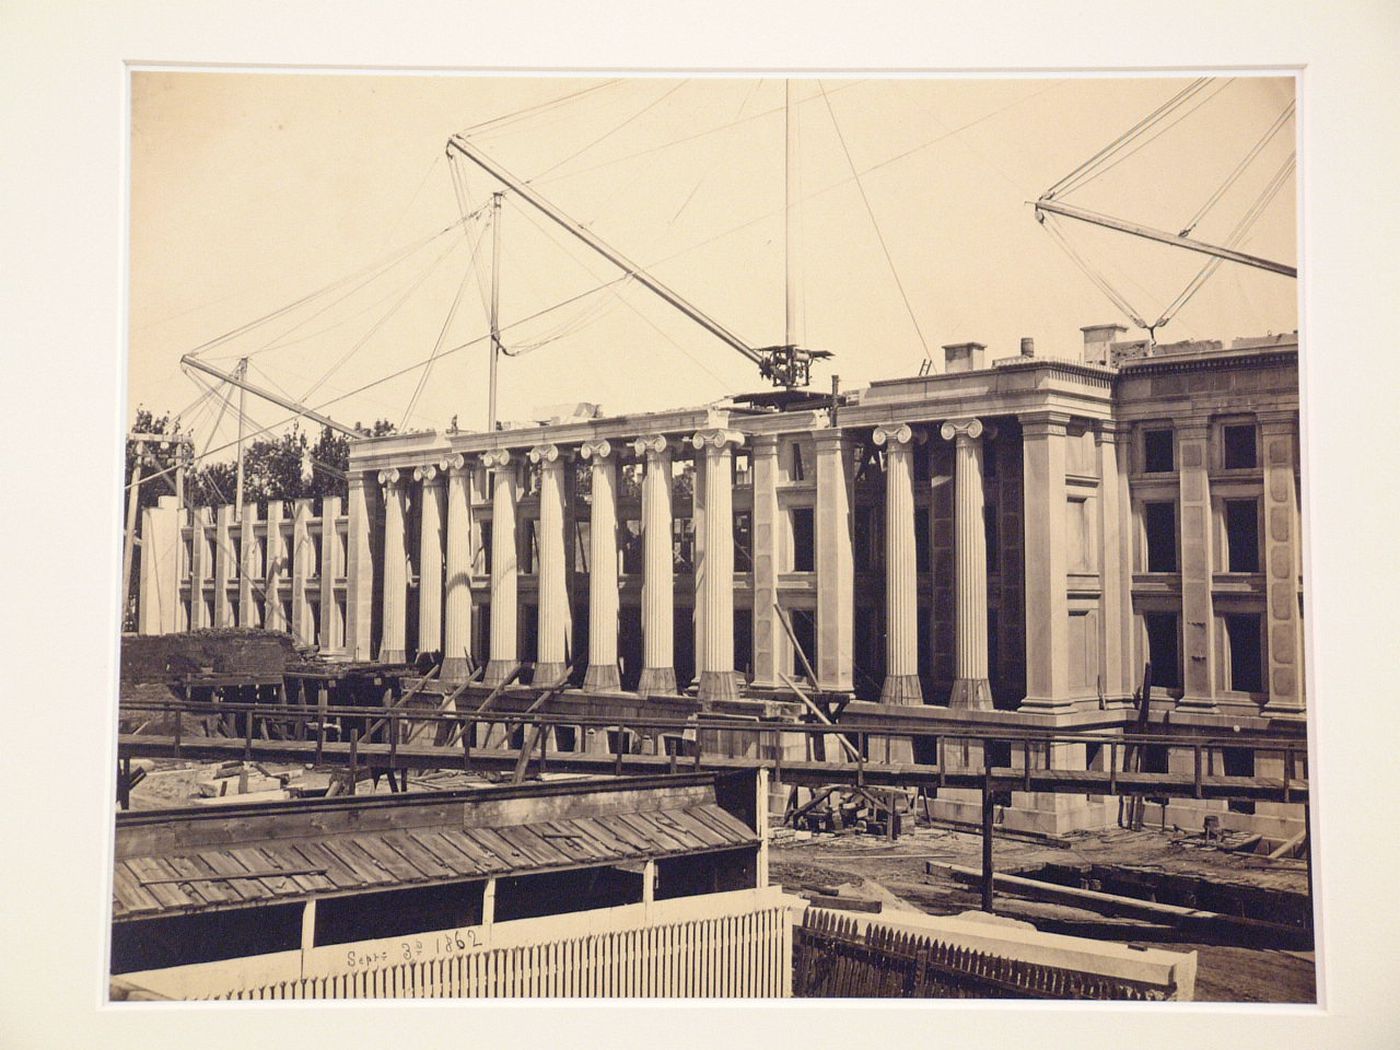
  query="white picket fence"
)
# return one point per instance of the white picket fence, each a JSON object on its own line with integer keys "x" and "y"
{"x": 724, "y": 945}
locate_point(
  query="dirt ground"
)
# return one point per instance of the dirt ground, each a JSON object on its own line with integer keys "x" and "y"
{"x": 1225, "y": 973}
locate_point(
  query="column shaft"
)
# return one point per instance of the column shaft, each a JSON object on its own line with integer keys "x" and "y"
{"x": 658, "y": 581}
{"x": 359, "y": 571}
{"x": 275, "y": 570}
{"x": 457, "y": 615}
{"x": 303, "y": 625}
{"x": 223, "y": 566}
{"x": 715, "y": 586}
{"x": 971, "y": 690}
{"x": 901, "y": 684}
{"x": 331, "y": 638}
{"x": 505, "y": 569}
{"x": 392, "y": 644}
{"x": 772, "y": 652}
{"x": 553, "y": 585}
{"x": 430, "y": 560}
{"x": 249, "y": 568}
{"x": 602, "y": 575}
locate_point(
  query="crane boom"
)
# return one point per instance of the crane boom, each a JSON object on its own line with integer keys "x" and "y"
{"x": 670, "y": 295}
{"x": 1174, "y": 239}
{"x": 268, "y": 395}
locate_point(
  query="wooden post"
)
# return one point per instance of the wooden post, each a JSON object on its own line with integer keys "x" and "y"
{"x": 988, "y": 808}
{"x": 488, "y": 907}
{"x": 129, "y": 546}
{"x": 354, "y": 756}
{"x": 308, "y": 926}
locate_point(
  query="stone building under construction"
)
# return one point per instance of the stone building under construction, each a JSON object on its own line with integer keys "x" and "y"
{"x": 1010, "y": 540}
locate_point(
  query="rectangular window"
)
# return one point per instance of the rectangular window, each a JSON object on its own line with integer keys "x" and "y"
{"x": 804, "y": 542}
{"x": 1159, "y": 521}
{"x": 1240, "y": 452}
{"x": 743, "y": 541}
{"x": 486, "y": 547}
{"x": 922, "y": 550}
{"x": 1159, "y": 452}
{"x": 1242, "y": 534}
{"x": 868, "y": 544}
{"x": 1246, "y": 653}
{"x": 1163, "y": 649}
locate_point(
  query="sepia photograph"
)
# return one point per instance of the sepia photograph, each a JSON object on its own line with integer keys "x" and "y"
{"x": 713, "y": 536}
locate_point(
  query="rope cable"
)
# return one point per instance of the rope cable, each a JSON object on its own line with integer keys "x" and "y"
{"x": 1234, "y": 176}
{"x": 870, "y": 211}
{"x": 613, "y": 131}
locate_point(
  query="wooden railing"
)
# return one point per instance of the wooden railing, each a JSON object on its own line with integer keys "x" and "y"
{"x": 832, "y": 959}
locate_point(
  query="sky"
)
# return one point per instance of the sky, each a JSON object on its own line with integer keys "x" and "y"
{"x": 314, "y": 224}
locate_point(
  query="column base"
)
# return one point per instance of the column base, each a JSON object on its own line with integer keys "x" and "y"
{"x": 971, "y": 694}
{"x": 903, "y": 689}
{"x": 1051, "y": 705}
{"x": 718, "y": 685}
{"x": 393, "y": 656}
{"x": 602, "y": 678}
{"x": 657, "y": 681}
{"x": 497, "y": 671}
{"x": 454, "y": 669}
{"x": 548, "y": 674}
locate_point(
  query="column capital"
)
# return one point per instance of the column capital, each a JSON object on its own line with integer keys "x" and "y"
{"x": 453, "y": 464}
{"x": 1279, "y": 421}
{"x": 389, "y": 478}
{"x": 597, "y": 450}
{"x": 968, "y": 429}
{"x": 766, "y": 444}
{"x": 899, "y": 436}
{"x": 717, "y": 438}
{"x": 426, "y": 473}
{"x": 652, "y": 445}
{"x": 1109, "y": 430}
{"x": 354, "y": 479}
{"x": 1194, "y": 426}
{"x": 548, "y": 453}
{"x": 495, "y": 458}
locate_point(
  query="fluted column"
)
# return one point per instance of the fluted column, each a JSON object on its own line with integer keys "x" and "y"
{"x": 715, "y": 583}
{"x": 457, "y": 612}
{"x": 901, "y": 569}
{"x": 274, "y": 569}
{"x": 554, "y": 591}
{"x": 359, "y": 566}
{"x": 602, "y": 568}
{"x": 429, "y": 559}
{"x": 505, "y": 568}
{"x": 392, "y": 646}
{"x": 658, "y": 581}
{"x": 971, "y": 690}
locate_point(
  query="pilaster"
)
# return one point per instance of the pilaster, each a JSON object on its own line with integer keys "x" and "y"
{"x": 835, "y": 562}
{"x": 772, "y": 652}
{"x": 1197, "y": 604}
{"x": 332, "y": 637}
{"x": 1043, "y": 437}
{"x": 1282, "y": 565}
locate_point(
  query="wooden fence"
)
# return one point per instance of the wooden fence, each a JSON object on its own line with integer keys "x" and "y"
{"x": 746, "y": 954}
{"x": 832, "y": 959}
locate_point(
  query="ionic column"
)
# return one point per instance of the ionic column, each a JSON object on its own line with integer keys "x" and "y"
{"x": 602, "y": 569}
{"x": 430, "y": 560}
{"x": 359, "y": 569}
{"x": 901, "y": 568}
{"x": 223, "y": 566}
{"x": 1282, "y": 565}
{"x": 715, "y": 571}
{"x": 658, "y": 581}
{"x": 303, "y": 626}
{"x": 457, "y": 614}
{"x": 249, "y": 568}
{"x": 505, "y": 568}
{"x": 835, "y": 552}
{"x": 274, "y": 568}
{"x": 1197, "y": 575}
{"x": 1043, "y": 440}
{"x": 554, "y": 590}
{"x": 392, "y": 644}
{"x": 772, "y": 652}
{"x": 331, "y": 638}
{"x": 971, "y": 690}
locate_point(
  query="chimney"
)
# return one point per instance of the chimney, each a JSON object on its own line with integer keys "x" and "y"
{"x": 963, "y": 357}
{"x": 1027, "y": 346}
{"x": 1097, "y": 339}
